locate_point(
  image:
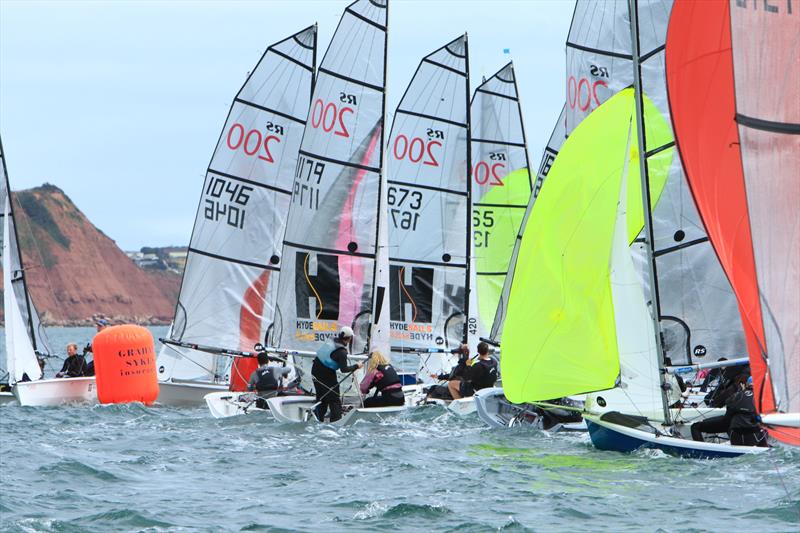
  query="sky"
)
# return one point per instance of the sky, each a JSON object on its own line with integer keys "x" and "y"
{"x": 120, "y": 103}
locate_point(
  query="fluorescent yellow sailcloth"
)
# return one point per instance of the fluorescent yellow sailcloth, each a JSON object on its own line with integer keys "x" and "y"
{"x": 560, "y": 335}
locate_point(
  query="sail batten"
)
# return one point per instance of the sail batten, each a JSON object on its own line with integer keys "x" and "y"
{"x": 429, "y": 205}
{"x": 228, "y": 287}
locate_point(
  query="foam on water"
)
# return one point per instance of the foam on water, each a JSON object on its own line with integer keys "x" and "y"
{"x": 134, "y": 468}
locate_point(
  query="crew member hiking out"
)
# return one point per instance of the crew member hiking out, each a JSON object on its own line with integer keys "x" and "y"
{"x": 739, "y": 421}
{"x": 480, "y": 375}
{"x": 388, "y": 387}
{"x": 332, "y": 356}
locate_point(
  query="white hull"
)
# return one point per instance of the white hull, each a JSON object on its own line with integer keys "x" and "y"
{"x": 299, "y": 410}
{"x": 50, "y": 392}
{"x": 186, "y": 394}
{"x": 6, "y": 397}
{"x": 227, "y": 404}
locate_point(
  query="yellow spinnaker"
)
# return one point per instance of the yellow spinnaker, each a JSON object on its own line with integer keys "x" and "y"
{"x": 559, "y": 336}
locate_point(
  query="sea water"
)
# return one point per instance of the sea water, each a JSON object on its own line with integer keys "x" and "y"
{"x": 136, "y": 468}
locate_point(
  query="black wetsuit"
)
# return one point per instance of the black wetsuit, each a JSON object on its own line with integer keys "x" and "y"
{"x": 744, "y": 429}
{"x": 441, "y": 392}
{"x": 74, "y": 366}
{"x": 482, "y": 374}
{"x": 388, "y": 388}
{"x": 326, "y": 382}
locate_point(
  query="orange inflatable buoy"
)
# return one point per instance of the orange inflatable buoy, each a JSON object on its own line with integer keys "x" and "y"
{"x": 125, "y": 365}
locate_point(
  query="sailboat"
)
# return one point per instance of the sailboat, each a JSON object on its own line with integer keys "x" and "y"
{"x": 335, "y": 250}
{"x": 741, "y": 52}
{"x": 228, "y": 288}
{"x": 430, "y": 226}
{"x": 500, "y": 193}
{"x": 25, "y": 337}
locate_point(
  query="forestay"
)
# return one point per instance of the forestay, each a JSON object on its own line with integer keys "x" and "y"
{"x": 766, "y": 39}
{"x": 332, "y": 237}
{"x": 698, "y": 312}
{"x": 501, "y": 184}
{"x": 228, "y": 287}
{"x": 548, "y": 157}
{"x": 15, "y": 277}
{"x": 429, "y": 205}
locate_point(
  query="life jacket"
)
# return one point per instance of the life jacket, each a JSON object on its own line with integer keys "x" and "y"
{"x": 266, "y": 380}
{"x": 324, "y": 355}
{"x": 488, "y": 377}
{"x": 389, "y": 377}
{"x": 741, "y": 411}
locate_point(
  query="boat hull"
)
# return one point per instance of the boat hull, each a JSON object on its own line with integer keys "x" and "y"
{"x": 227, "y": 404}
{"x": 299, "y": 410}
{"x": 6, "y": 397}
{"x": 184, "y": 394}
{"x": 59, "y": 391}
{"x": 615, "y": 437}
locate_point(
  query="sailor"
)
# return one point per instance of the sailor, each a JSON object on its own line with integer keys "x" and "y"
{"x": 100, "y": 324}
{"x": 74, "y": 364}
{"x": 332, "y": 356}
{"x": 740, "y": 410}
{"x": 388, "y": 386}
{"x": 480, "y": 375}
{"x": 740, "y": 420}
{"x": 453, "y": 377}
{"x": 266, "y": 379}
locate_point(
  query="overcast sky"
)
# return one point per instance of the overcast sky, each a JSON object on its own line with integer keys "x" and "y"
{"x": 120, "y": 103}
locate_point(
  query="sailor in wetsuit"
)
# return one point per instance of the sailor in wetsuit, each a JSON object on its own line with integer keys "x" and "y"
{"x": 740, "y": 420}
{"x": 480, "y": 375}
{"x": 332, "y": 356}
{"x": 266, "y": 379}
{"x": 388, "y": 386}
{"x": 74, "y": 364}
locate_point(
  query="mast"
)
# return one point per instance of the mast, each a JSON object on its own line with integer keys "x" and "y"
{"x": 470, "y": 238}
{"x": 647, "y": 214}
{"x": 19, "y": 251}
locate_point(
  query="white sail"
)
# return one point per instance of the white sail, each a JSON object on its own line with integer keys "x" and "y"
{"x": 20, "y": 356}
{"x": 501, "y": 186}
{"x": 228, "y": 289}
{"x": 429, "y": 206}
{"x": 638, "y": 390}
{"x": 331, "y": 249}
{"x": 698, "y": 311}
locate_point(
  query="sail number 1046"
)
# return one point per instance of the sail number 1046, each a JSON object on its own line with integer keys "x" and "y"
{"x": 226, "y": 201}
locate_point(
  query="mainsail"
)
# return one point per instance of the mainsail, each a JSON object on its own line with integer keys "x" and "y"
{"x": 228, "y": 288}
{"x": 766, "y": 40}
{"x": 548, "y": 157}
{"x": 429, "y": 197}
{"x": 697, "y": 308}
{"x": 332, "y": 248}
{"x": 501, "y": 184}
{"x": 576, "y": 336}
{"x": 24, "y": 334}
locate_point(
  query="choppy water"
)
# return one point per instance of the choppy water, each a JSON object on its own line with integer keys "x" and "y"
{"x": 133, "y": 468}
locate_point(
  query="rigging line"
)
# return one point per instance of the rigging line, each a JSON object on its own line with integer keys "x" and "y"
{"x": 403, "y": 286}
{"x": 174, "y": 349}
{"x": 311, "y": 286}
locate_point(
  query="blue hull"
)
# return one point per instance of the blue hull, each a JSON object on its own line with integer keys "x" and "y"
{"x": 604, "y": 438}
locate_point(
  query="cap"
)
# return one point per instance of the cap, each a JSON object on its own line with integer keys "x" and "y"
{"x": 101, "y": 322}
{"x": 345, "y": 332}
{"x": 750, "y": 381}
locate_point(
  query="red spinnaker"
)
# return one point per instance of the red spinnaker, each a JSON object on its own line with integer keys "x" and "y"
{"x": 700, "y": 81}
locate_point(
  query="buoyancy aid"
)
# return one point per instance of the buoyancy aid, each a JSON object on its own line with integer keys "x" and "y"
{"x": 485, "y": 374}
{"x": 324, "y": 354}
{"x": 388, "y": 377}
{"x": 266, "y": 380}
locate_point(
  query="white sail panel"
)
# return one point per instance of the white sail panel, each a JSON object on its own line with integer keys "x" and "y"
{"x": 331, "y": 242}
{"x": 228, "y": 288}
{"x": 501, "y": 186}
{"x": 429, "y": 223}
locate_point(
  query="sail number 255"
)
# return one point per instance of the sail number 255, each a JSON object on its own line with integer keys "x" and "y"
{"x": 404, "y": 205}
